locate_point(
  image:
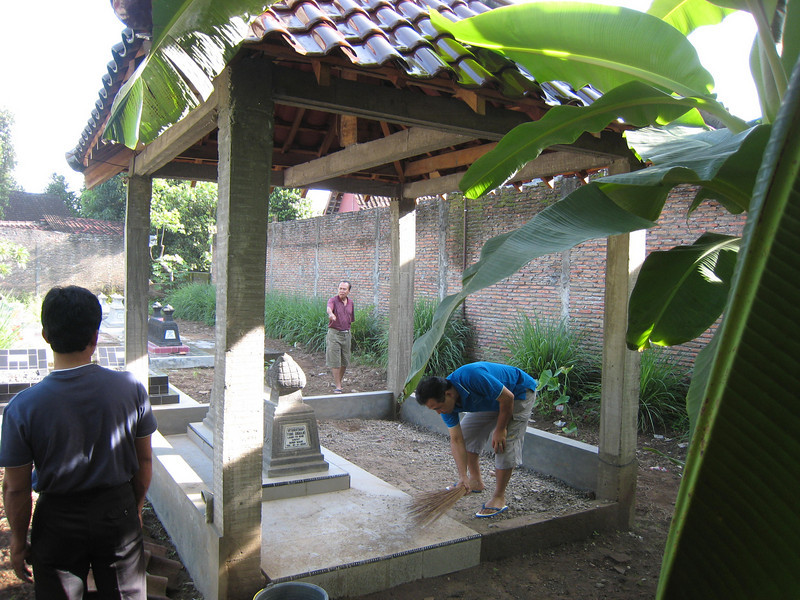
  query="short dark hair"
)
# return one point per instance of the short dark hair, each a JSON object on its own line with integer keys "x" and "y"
{"x": 432, "y": 387}
{"x": 71, "y": 316}
{"x": 349, "y": 285}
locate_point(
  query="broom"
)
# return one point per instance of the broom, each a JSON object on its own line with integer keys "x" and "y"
{"x": 427, "y": 507}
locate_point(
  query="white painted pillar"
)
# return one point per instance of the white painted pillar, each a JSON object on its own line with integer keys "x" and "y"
{"x": 137, "y": 275}
{"x": 245, "y": 159}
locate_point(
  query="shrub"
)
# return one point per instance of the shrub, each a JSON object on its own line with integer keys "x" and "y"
{"x": 451, "y": 351}
{"x": 541, "y": 344}
{"x": 195, "y": 302}
{"x": 663, "y": 384}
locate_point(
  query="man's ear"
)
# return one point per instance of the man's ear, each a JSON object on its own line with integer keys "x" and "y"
{"x": 44, "y": 336}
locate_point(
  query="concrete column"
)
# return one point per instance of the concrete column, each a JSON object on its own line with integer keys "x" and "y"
{"x": 619, "y": 404}
{"x": 443, "y": 219}
{"x": 401, "y": 297}
{"x": 137, "y": 274}
{"x": 245, "y": 160}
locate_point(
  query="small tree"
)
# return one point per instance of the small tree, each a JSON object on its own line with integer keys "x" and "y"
{"x": 105, "y": 201}
{"x": 58, "y": 187}
{"x": 286, "y": 204}
{"x": 7, "y": 159}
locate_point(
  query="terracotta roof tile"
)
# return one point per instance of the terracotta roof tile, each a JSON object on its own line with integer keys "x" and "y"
{"x": 88, "y": 226}
{"x": 25, "y": 206}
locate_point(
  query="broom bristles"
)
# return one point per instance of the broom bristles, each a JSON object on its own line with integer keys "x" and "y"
{"x": 427, "y": 507}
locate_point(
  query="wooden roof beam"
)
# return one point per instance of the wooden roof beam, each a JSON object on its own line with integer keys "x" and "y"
{"x": 359, "y": 157}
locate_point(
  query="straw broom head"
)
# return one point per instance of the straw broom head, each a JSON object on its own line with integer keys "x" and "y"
{"x": 426, "y": 507}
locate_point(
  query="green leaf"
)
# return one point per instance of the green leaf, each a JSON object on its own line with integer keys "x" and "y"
{"x": 700, "y": 375}
{"x": 724, "y": 165}
{"x": 736, "y": 528}
{"x": 636, "y": 103}
{"x": 585, "y": 214}
{"x": 681, "y": 292}
{"x": 192, "y": 42}
{"x": 605, "y": 46}
{"x": 688, "y": 15}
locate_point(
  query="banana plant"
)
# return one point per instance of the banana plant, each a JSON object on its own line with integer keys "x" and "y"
{"x": 656, "y": 80}
{"x": 191, "y": 43}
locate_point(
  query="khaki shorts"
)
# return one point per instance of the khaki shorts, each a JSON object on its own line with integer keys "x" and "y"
{"x": 478, "y": 427}
{"x": 337, "y": 348}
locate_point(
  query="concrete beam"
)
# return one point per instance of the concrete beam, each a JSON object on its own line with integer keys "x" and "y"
{"x": 245, "y": 154}
{"x": 137, "y": 271}
{"x": 401, "y": 296}
{"x": 619, "y": 406}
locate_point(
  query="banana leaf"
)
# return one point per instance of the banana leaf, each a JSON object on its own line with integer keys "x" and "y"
{"x": 688, "y": 15}
{"x": 192, "y": 42}
{"x": 605, "y": 46}
{"x": 736, "y": 528}
{"x": 681, "y": 292}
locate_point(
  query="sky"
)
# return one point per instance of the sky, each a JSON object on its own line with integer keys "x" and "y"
{"x": 53, "y": 56}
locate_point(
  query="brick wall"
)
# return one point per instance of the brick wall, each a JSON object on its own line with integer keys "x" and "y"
{"x": 311, "y": 256}
{"x": 95, "y": 262}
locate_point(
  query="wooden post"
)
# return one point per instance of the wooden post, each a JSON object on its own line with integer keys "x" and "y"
{"x": 401, "y": 295}
{"x": 245, "y": 160}
{"x": 137, "y": 274}
{"x": 619, "y": 405}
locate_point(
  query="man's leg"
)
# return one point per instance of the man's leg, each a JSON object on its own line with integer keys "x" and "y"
{"x": 502, "y": 477}
{"x": 333, "y": 357}
{"x": 118, "y": 561}
{"x": 474, "y": 472}
{"x": 338, "y": 373}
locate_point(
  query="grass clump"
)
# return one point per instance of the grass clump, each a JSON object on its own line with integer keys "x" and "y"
{"x": 195, "y": 302}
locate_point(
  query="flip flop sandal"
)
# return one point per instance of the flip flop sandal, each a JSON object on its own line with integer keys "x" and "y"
{"x": 495, "y": 511}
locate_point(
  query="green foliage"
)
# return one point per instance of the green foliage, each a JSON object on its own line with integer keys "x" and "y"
{"x": 552, "y": 398}
{"x": 7, "y": 158}
{"x": 297, "y": 320}
{"x": 451, "y": 351}
{"x": 195, "y": 302}
{"x": 183, "y": 219}
{"x": 368, "y": 332}
{"x": 12, "y": 255}
{"x": 9, "y": 324}
{"x": 287, "y": 204}
{"x": 106, "y": 201}
{"x": 663, "y": 385}
{"x": 58, "y": 186}
{"x": 541, "y": 344}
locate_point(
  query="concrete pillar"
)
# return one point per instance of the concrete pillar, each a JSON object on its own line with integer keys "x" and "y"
{"x": 401, "y": 296}
{"x": 137, "y": 275}
{"x": 245, "y": 160}
{"x": 443, "y": 220}
{"x": 619, "y": 404}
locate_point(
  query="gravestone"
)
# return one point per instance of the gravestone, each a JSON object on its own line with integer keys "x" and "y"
{"x": 291, "y": 444}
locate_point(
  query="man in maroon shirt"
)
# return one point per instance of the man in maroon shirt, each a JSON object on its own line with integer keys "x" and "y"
{"x": 341, "y": 315}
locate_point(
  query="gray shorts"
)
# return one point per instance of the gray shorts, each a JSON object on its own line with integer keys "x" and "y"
{"x": 477, "y": 428}
{"x": 337, "y": 348}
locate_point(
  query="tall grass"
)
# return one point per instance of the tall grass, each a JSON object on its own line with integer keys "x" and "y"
{"x": 663, "y": 384}
{"x": 195, "y": 302}
{"x": 451, "y": 351}
{"x": 541, "y": 344}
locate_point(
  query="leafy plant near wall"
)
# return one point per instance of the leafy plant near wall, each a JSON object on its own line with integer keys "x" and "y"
{"x": 195, "y": 302}
{"x": 538, "y": 344}
{"x": 451, "y": 351}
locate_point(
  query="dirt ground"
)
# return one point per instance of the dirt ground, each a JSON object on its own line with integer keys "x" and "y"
{"x": 622, "y": 565}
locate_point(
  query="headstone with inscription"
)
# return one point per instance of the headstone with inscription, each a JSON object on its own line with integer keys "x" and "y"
{"x": 291, "y": 436}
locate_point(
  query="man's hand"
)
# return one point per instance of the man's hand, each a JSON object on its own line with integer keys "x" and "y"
{"x": 20, "y": 554}
{"x": 499, "y": 440}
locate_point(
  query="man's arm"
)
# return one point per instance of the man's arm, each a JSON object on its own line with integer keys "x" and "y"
{"x": 18, "y": 504}
{"x": 141, "y": 481}
{"x": 330, "y": 311}
{"x": 459, "y": 450}
{"x": 506, "y": 402}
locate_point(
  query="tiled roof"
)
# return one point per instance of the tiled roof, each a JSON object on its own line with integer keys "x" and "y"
{"x": 88, "y": 226}
{"x": 391, "y": 36}
{"x": 24, "y": 206}
{"x": 399, "y": 33}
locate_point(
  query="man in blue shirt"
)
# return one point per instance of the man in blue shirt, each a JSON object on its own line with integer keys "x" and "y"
{"x": 496, "y": 401}
{"x": 81, "y": 439}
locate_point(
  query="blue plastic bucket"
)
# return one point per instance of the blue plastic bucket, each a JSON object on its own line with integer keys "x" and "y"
{"x": 292, "y": 590}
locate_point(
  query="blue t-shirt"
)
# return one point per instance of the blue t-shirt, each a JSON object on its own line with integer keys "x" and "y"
{"x": 77, "y": 427}
{"x": 479, "y": 385}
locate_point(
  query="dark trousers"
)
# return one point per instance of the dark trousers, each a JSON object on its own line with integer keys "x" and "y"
{"x": 98, "y": 529}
